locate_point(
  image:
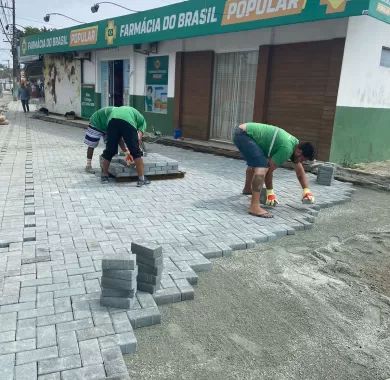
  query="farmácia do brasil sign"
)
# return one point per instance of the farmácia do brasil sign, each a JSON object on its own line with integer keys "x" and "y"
{"x": 189, "y": 19}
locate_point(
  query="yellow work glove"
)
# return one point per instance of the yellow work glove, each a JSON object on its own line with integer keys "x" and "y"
{"x": 271, "y": 198}
{"x": 307, "y": 196}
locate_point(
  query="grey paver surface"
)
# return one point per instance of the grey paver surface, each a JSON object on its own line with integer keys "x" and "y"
{"x": 57, "y": 222}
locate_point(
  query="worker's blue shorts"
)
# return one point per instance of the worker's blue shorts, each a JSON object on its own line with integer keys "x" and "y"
{"x": 252, "y": 153}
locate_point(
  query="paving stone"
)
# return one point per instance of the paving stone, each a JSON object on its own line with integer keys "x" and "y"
{"x": 53, "y": 319}
{"x": 8, "y": 321}
{"x": 67, "y": 343}
{"x": 17, "y": 346}
{"x": 90, "y": 352}
{"x": 121, "y": 323}
{"x": 117, "y": 302}
{"x": 151, "y": 262}
{"x": 93, "y": 372}
{"x": 117, "y": 284}
{"x": 155, "y": 271}
{"x": 7, "y": 363}
{"x": 128, "y": 275}
{"x": 94, "y": 332}
{"x": 26, "y": 371}
{"x": 168, "y": 295}
{"x": 149, "y": 288}
{"x": 144, "y": 317}
{"x": 7, "y": 336}
{"x": 74, "y": 325}
{"x": 119, "y": 262}
{"x": 126, "y": 341}
{"x": 59, "y": 364}
{"x": 46, "y": 336}
{"x": 50, "y": 376}
{"x": 36, "y": 355}
{"x": 149, "y": 278}
{"x": 146, "y": 249}
{"x": 108, "y": 292}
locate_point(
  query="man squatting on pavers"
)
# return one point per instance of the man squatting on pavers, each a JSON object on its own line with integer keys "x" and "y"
{"x": 97, "y": 129}
{"x": 265, "y": 147}
{"x": 129, "y": 124}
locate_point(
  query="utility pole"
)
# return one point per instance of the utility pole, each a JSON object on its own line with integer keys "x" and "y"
{"x": 14, "y": 52}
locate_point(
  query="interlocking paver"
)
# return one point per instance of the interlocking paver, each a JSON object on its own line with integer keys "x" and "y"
{"x": 58, "y": 223}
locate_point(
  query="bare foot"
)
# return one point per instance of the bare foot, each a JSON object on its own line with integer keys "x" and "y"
{"x": 260, "y": 212}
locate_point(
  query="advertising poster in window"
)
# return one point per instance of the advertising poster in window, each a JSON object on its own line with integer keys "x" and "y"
{"x": 156, "y": 91}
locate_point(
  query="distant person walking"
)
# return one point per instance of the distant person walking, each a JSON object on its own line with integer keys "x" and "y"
{"x": 24, "y": 96}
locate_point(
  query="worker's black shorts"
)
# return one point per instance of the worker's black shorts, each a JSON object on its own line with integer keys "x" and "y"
{"x": 116, "y": 129}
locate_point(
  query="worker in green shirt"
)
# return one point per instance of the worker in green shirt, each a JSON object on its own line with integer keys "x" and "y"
{"x": 97, "y": 129}
{"x": 128, "y": 124}
{"x": 265, "y": 147}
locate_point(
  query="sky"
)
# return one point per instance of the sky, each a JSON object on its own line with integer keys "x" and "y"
{"x": 31, "y": 13}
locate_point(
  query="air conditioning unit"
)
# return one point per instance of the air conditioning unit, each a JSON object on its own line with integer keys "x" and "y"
{"x": 82, "y": 55}
{"x": 146, "y": 48}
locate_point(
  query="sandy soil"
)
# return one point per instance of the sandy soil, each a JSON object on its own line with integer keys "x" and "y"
{"x": 311, "y": 306}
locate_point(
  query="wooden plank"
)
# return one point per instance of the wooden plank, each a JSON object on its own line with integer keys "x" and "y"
{"x": 154, "y": 177}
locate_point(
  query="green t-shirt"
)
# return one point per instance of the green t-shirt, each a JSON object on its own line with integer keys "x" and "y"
{"x": 99, "y": 119}
{"x": 131, "y": 115}
{"x": 263, "y": 134}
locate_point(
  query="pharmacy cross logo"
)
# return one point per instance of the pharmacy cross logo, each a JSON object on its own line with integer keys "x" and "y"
{"x": 334, "y": 6}
{"x": 157, "y": 64}
{"x": 110, "y": 32}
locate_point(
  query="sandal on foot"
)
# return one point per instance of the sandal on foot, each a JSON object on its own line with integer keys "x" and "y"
{"x": 90, "y": 170}
{"x": 265, "y": 215}
{"x": 104, "y": 179}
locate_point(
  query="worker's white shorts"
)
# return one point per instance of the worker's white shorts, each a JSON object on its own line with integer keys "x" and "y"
{"x": 93, "y": 136}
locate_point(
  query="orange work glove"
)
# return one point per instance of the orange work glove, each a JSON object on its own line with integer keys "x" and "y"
{"x": 307, "y": 197}
{"x": 129, "y": 158}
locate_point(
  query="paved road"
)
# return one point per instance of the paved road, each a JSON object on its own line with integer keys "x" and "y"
{"x": 57, "y": 222}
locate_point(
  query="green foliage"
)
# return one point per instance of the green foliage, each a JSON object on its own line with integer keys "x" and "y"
{"x": 5, "y": 71}
{"x": 30, "y": 30}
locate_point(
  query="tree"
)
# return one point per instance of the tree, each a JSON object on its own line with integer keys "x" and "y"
{"x": 5, "y": 72}
{"x": 30, "y": 30}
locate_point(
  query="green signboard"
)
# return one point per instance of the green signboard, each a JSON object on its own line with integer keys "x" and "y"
{"x": 189, "y": 19}
{"x": 380, "y": 9}
{"x": 156, "y": 98}
{"x": 88, "y": 106}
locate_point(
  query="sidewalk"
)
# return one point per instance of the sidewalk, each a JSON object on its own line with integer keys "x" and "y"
{"x": 57, "y": 222}
{"x": 375, "y": 175}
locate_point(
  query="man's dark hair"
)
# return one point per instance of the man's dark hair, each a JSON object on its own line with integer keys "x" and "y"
{"x": 308, "y": 150}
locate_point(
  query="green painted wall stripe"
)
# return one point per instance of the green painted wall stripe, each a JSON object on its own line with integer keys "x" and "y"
{"x": 360, "y": 135}
{"x": 188, "y": 19}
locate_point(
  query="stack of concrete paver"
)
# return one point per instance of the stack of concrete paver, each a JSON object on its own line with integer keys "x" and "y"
{"x": 325, "y": 174}
{"x": 150, "y": 266}
{"x": 119, "y": 281}
{"x": 154, "y": 164}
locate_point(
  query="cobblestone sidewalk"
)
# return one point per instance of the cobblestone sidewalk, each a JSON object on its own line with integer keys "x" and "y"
{"x": 57, "y": 222}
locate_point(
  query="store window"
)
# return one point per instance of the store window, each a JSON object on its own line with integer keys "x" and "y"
{"x": 234, "y": 92}
{"x": 385, "y": 57}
